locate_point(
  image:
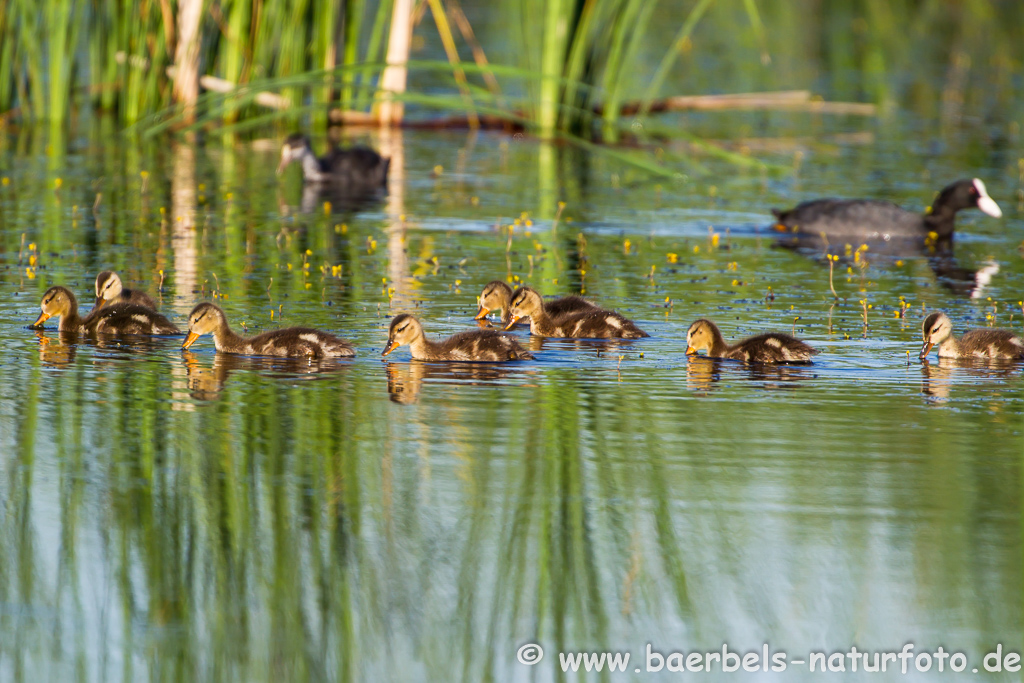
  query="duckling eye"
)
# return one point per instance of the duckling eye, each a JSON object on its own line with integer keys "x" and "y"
{"x": 402, "y": 328}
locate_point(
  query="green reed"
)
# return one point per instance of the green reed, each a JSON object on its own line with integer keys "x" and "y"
{"x": 575, "y": 62}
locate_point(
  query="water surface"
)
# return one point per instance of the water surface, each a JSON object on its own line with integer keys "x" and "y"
{"x": 169, "y": 515}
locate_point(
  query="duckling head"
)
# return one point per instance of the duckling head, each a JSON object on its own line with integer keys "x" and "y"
{"x": 936, "y": 329}
{"x": 203, "y": 319}
{"x": 108, "y": 287}
{"x": 295, "y": 147}
{"x": 57, "y": 301}
{"x": 496, "y": 295}
{"x": 405, "y": 329}
{"x": 700, "y": 336}
{"x": 525, "y": 302}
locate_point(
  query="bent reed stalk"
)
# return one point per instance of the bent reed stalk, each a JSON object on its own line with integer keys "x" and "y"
{"x": 576, "y": 69}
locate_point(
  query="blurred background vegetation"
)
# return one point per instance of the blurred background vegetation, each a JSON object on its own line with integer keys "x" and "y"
{"x": 566, "y": 67}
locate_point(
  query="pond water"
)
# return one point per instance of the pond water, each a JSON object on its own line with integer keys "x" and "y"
{"x": 168, "y": 515}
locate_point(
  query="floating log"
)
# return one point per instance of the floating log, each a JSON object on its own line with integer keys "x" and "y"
{"x": 790, "y": 100}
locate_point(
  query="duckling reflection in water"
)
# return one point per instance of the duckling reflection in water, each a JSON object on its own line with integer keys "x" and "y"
{"x": 292, "y": 342}
{"x": 600, "y": 348}
{"x": 116, "y": 319}
{"x": 497, "y": 296}
{"x": 937, "y": 379}
{"x": 205, "y": 383}
{"x": 475, "y": 345}
{"x": 702, "y": 372}
{"x": 937, "y": 329}
{"x": 405, "y": 381}
{"x": 773, "y": 347}
{"x": 59, "y": 351}
{"x": 110, "y": 290}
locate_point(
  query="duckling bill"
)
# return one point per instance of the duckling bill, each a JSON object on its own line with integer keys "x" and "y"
{"x": 773, "y": 347}
{"x": 474, "y": 345}
{"x": 292, "y": 342}
{"x": 497, "y": 295}
{"x": 937, "y": 329}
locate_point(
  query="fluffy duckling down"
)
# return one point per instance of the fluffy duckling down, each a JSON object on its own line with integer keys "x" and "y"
{"x": 592, "y": 323}
{"x": 773, "y": 347}
{"x": 292, "y": 342}
{"x": 110, "y": 290}
{"x": 117, "y": 319}
{"x": 497, "y": 296}
{"x": 474, "y": 345}
{"x": 937, "y": 330}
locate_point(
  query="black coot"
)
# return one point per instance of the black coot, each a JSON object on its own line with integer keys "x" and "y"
{"x": 357, "y": 167}
{"x": 871, "y": 220}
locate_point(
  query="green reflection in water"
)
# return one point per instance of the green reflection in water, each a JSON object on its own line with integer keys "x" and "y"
{"x": 195, "y": 516}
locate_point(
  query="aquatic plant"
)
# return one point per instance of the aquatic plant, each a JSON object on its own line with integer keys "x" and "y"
{"x": 575, "y": 67}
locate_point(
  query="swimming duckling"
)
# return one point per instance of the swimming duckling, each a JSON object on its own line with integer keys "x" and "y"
{"x": 980, "y": 343}
{"x": 120, "y": 318}
{"x": 292, "y": 342}
{"x": 595, "y": 323}
{"x": 497, "y": 295}
{"x": 356, "y": 165}
{"x": 110, "y": 290}
{"x": 773, "y": 347}
{"x": 475, "y": 345}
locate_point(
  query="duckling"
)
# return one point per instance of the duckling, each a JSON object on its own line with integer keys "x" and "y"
{"x": 475, "y": 345}
{"x": 293, "y": 342}
{"x": 119, "y": 318}
{"x": 980, "y": 343}
{"x": 110, "y": 290}
{"x": 497, "y": 295}
{"x": 773, "y": 347}
{"x": 595, "y": 323}
{"x": 358, "y": 165}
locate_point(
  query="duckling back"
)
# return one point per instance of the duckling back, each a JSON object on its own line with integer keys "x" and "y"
{"x": 479, "y": 345}
{"x": 596, "y": 324}
{"x": 136, "y": 297}
{"x": 125, "y": 318}
{"x": 773, "y": 347}
{"x": 568, "y": 305}
{"x": 296, "y": 342}
{"x": 984, "y": 343}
